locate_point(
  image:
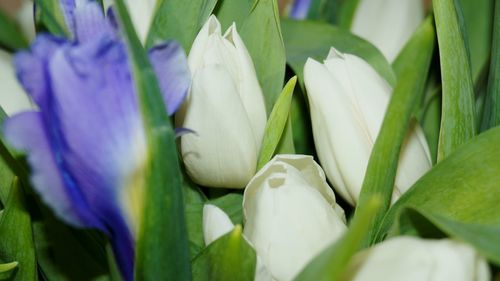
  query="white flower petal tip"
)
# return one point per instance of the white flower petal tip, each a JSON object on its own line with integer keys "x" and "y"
{"x": 291, "y": 214}
{"x": 415, "y": 259}
{"x": 348, "y": 100}
{"x": 225, "y": 106}
{"x": 216, "y": 223}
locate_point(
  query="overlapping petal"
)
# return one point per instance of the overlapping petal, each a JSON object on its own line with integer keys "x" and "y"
{"x": 86, "y": 144}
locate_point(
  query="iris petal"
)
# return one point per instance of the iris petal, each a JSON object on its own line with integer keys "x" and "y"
{"x": 169, "y": 60}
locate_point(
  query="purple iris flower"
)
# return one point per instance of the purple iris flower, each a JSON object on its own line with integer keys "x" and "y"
{"x": 300, "y": 9}
{"x": 86, "y": 144}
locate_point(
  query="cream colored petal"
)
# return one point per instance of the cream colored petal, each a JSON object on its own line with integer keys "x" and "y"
{"x": 222, "y": 153}
{"x": 216, "y": 223}
{"x": 142, "y": 13}
{"x": 13, "y": 98}
{"x": 388, "y": 24}
{"x": 287, "y": 237}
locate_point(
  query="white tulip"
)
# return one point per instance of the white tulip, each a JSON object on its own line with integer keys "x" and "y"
{"x": 216, "y": 223}
{"x": 347, "y": 100}
{"x": 142, "y": 13}
{"x": 225, "y": 107}
{"x": 415, "y": 259}
{"x": 387, "y": 24}
{"x": 13, "y": 98}
{"x": 291, "y": 214}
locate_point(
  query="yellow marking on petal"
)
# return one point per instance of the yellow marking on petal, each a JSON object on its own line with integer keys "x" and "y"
{"x": 133, "y": 202}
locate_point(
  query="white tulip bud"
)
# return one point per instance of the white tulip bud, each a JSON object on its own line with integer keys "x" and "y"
{"x": 225, "y": 107}
{"x": 348, "y": 100}
{"x": 13, "y": 98}
{"x": 216, "y": 223}
{"x": 291, "y": 214}
{"x": 142, "y": 13}
{"x": 415, "y": 259}
{"x": 387, "y": 24}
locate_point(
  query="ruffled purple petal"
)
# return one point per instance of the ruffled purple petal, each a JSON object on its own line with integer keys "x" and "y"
{"x": 68, "y": 7}
{"x": 90, "y": 22}
{"x": 300, "y": 9}
{"x": 172, "y": 71}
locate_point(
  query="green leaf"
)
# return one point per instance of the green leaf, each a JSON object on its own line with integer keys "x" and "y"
{"x": 162, "y": 241}
{"x": 347, "y": 12}
{"x": 16, "y": 233}
{"x": 491, "y": 117}
{"x": 276, "y": 123}
{"x": 323, "y": 10}
{"x": 332, "y": 262}
{"x": 49, "y": 17}
{"x": 231, "y": 204}
{"x": 304, "y": 39}
{"x": 6, "y": 267}
{"x": 430, "y": 119}
{"x": 460, "y": 196}
{"x": 229, "y": 11}
{"x": 458, "y": 114}
{"x": 179, "y": 20}
{"x": 478, "y": 22}
{"x": 261, "y": 33}
{"x": 413, "y": 63}
{"x": 68, "y": 254}
{"x": 226, "y": 259}
{"x": 11, "y": 36}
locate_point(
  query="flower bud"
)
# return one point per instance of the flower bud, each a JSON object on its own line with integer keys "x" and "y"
{"x": 387, "y": 24}
{"x": 291, "y": 214}
{"x": 348, "y": 100}
{"x": 415, "y": 259}
{"x": 225, "y": 108}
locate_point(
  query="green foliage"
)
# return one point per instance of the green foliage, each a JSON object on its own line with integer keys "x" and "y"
{"x": 229, "y": 11}
{"x": 413, "y": 65}
{"x": 179, "y": 20}
{"x": 11, "y": 36}
{"x": 261, "y": 33}
{"x": 491, "y": 116}
{"x": 323, "y": 10}
{"x": 49, "y": 17}
{"x": 459, "y": 196}
{"x": 304, "y": 39}
{"x": 458, "y": 114}
{"x": 162, "y": 250}
{"x": 276, "y": 123}
{"x": 226, "y": 259}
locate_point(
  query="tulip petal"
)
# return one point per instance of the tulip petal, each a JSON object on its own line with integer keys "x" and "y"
{"x": 216, "y": 223}
{"x": 141, "y": 13}
{"x": 169, "y": 61}
{"x": 287, "y": 237}
{"x": 388, "y": 24}
{"x": 213, "y": 92}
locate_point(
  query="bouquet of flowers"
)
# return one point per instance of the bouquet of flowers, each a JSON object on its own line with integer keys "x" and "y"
{"x": 250, "y": 140}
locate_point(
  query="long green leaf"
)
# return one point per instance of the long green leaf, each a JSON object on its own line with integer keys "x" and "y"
{"x": 460, "y": 196}
{"x": 49, "y": 17}
{"x": 414, "y": 63}
{"x": 6, "y": 270}
{"x": 478, "y": 21}
{"x": 16, "y": 234}
{"x": 261, "y": 33}
{"x": 323, "y": 10}
{"x": 226, "y": 259}
{"x": 347, "y": 13}
{"x": 179, "y": 20}
{"x": 162, "y": 251}
{"x": 276, "y": 123}
{"x": 458, "y": 113}
{"x": 229, "y": 11}
{"x": 332, "y": 262}
{"x": 491, "y": 117}
{"x": 11, "y": 36}
{"x": 304, "y": 39}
